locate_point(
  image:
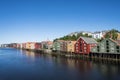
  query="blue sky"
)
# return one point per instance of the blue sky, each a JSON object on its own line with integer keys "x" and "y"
{"x": 38, "y": 20}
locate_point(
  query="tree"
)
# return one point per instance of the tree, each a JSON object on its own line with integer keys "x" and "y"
{"x": 112, "y": 34}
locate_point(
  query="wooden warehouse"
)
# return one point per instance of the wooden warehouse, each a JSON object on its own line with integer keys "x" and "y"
{"x": 107, "y": 48}
{"x": 84, "y": 45}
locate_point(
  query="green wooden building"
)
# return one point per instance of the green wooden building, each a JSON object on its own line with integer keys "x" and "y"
{"x": 57, "y": 46}
{"x": 107, "y": 46}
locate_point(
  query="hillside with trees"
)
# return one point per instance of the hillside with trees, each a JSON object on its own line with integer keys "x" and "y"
{"x": 73, "y": 37}
{"x": 113, "y": 34}
{"x": 110, "y": 34}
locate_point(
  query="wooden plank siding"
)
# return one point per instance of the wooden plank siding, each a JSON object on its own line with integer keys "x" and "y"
{"x": 107, "y": 46}
{"x": 84, "y": 45}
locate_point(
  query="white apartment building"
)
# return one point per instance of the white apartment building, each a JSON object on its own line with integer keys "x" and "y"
{"x": 98, "y": 35}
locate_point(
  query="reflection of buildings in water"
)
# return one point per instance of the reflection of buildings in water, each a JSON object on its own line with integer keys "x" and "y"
{"x": 21, "y": 51}
{"x": 30, "y": 54}
{"x": 114, "y": 70}
{"x": 107, "y": 69}
{"x": 59, "y": 61}
{"x": 83, "y": 66}
{"x": 71, "y": 63}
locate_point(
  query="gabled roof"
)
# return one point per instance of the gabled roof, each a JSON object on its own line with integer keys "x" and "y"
{"x": 89, "y": 40}
{"x": 116, "y": 41}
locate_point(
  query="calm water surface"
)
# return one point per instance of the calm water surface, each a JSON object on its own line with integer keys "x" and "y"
{"x": 24, "y": 65}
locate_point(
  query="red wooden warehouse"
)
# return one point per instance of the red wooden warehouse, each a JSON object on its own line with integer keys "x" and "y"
{"x": 84, "y": 45}
{"x": 38, "y": 46}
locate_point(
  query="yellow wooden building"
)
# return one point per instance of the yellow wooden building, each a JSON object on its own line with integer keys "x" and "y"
{"x": 28, "y": 45}
{"x": 70, "y": 46}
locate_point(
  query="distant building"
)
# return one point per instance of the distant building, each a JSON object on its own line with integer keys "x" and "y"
{"x": 38, "y": 46}
{"x": 99, "y": 35}
{"x": 64, "y": 46}
{"x": 43, "y": 44}
{"x": 18, "y": 45}
{"x": 28, "y": 45}
{"x": 32, "y": 45}
{"x": 82, "y": 32}
{"x": 57, "y": 45}
{"x": 4, "y": 45}
{"x": 73, "y": 33}
{"x": 84, "y": 45}
{"x": 23, "y": 45}
{"x": 86, "y": 32}
{"x": 13, "y": 45}
{"x": 46, "y": 44}
{"x": 49, "y": 44}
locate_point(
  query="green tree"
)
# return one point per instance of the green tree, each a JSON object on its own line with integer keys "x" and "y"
{"x": 112, "y": 34}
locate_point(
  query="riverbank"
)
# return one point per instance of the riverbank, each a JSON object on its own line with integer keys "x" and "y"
{"x": 78, "y": 56}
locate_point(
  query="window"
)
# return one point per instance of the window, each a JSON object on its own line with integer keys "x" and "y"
{"x": 117, "y": 47}
{"x": 80, "y": 50}
{"x": 77, "y": 50}
{"x": 98, "y": 50}
{"x": 107, "y": 41}
{"x": 107, "y": 51}
{"x": 97, "y": 46}
{"x": 76, "y": 47}
{"x": 118, "y": 51}
{"x": 107, "y": 47}
{"x": 80, "y": 44}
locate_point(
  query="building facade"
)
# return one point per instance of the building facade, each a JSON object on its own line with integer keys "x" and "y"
{"x": 56, "y": 46}
{"x": 38, "y": 46}
{"x": 70, "y": 46}
{"x": 99, "y": 35}
{"x": 107, "y": 46}
{"x": 84, "y": 45}
{"x": 46, "y": 44}
{"x": 63, "y": 46}
{"x": 28, "y": 45}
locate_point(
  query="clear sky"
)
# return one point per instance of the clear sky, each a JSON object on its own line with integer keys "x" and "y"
{"x": 38, "y": 20}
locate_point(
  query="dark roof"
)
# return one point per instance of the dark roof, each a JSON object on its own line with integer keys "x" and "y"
{"x": 89, "y": 40}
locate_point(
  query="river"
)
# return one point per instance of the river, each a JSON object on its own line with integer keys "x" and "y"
{"x": 24, "y": 65}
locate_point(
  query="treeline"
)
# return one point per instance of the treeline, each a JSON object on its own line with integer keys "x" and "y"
{"x": 113, "y": 34}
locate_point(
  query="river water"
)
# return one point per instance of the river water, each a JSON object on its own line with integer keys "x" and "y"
{"x": 23, "y": 65}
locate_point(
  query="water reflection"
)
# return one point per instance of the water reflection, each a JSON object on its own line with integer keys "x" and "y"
{"x": 36, "y": 66}
{"x": 82, "y": 66}
{"x": 30, "y": 54}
